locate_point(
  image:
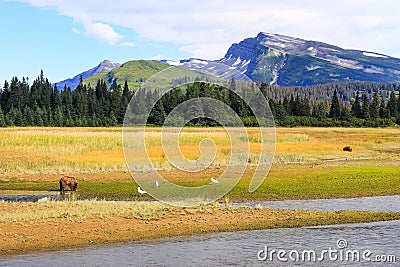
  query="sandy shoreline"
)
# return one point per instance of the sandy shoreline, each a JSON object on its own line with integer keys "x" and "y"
{"x": 60, "y": 233}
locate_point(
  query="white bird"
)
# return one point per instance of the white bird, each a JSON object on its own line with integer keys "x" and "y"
{"x": 43, "y": 199}
{"x": 140, "y": 191}
{"x": 214, "y": 181}
{"x": 156, "y": 184}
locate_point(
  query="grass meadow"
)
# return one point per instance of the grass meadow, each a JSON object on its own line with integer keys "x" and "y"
{"x": 308, "y": 163}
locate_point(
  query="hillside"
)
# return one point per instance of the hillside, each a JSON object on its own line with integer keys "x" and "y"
{"x": 135, "y": 72}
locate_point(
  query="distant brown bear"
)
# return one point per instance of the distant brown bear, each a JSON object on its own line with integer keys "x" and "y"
{"x": 70, "y": 181}
{"x": 348, "y": 148}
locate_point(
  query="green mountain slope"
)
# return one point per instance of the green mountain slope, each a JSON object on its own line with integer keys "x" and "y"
{"x": 135, "y": 72}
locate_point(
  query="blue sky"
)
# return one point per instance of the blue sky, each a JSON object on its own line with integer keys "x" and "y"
{"x": 33, "y": 39}
{"x": 65, "y": 37}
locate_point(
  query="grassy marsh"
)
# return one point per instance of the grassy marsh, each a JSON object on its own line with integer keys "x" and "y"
{"x": 309, "y": 162}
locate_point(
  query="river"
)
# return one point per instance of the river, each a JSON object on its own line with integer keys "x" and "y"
{"x": 339, "y": 245}
{"x": 246, "y": 248}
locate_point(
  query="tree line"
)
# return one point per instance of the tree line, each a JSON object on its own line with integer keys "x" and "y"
{"x": 350, "y": 104}
{"x": 378, "y": 111}
{"x": 42, "y": 104}
{"x": 373, "y": 104}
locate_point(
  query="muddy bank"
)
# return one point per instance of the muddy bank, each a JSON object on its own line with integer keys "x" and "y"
{"x": 56, "y": 233}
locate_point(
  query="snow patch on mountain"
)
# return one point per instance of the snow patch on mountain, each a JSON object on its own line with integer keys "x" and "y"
{"x": 245, "y": 63}
{"x": 173, "y": 63}
{"x": 370, "y": 54}
{"x": 199, "y": 62}
{"x": 237, "y": 62}
{"x": 312, "y": 67}
{"x": 374, "y": 69}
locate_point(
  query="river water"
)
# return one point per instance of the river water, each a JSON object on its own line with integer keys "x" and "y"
{"x": 29, "y": 197}
{"x": 381, "y": 203}
{"x": 346, "y": 245}
{"x": 241, "y": 249}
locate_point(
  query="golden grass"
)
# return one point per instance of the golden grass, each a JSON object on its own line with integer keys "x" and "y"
{"x": 59, "y": 150}
{"x": 13, "y": 212}
{"x": 54, "y": 151}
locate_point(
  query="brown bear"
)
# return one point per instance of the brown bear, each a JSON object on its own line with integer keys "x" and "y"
{"x": 70, "y": 181}
{"x": 348, "y": 148}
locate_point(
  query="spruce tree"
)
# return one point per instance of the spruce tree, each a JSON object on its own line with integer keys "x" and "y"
{"x": 365, "y": 107}
{"x": 58, "y": 117}
{"x": 157, "y": 114}
{"x": 5, "y": 98}
{"x": 345, "y": 113}
{"x": 143, "y": 102}
{"x": 55, "y": 98}
{"x": 170, "y": 101}
{"x": 213, "y": 114}
{"x": 305, "y": 107}
{"x": 398, "y": 110}
{"x": 317, "y": 111}
{"x": 115, "y": 100}
{"x": 92, "y": 103}
{"x": 67, "y": 102}
{"x": 37, "y": 115}
{"x": 392, "y": 105}
{"x": 356, "y": 109}
{"x": 17, "y": 117}
{"x": 280, "y": 112}
{"x": 150, "y": 98}
{"x": 2, "y": 120}
{"x": 77, "y": 104}
{"x": 28, "y": 115}
{"x": 335, "y": 106}
{"x": 374, "y": 106}
{"x": 195, "y": 112}
{"x": 125, "y": 99}
{"x": 296, "y": 106}
{"x": 126, "y": 95}
{"x": 291, "y": 105}
{"x": 9, "y": 120}
{"x": 382, "y": 107}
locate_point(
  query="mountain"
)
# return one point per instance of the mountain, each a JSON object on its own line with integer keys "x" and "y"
{"x": 214, "y": 68}
{"x": 289, "y": 61}
{"x": 283, "y": 60}
{"x": 135, "y": 72}
{"x": 271, "y": 58}
{"x": 104, "y": 67}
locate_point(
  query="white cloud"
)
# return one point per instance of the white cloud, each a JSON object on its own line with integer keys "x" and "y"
{"x": 102, "y": 31}
{"x": 130, "y": 44}
{"x": 207, "y": 28}
{"x": 75, "y": 30}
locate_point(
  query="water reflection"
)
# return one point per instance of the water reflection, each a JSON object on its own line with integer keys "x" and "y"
{"x": 381, "y": 203}
{"x": 29, "y": 197}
